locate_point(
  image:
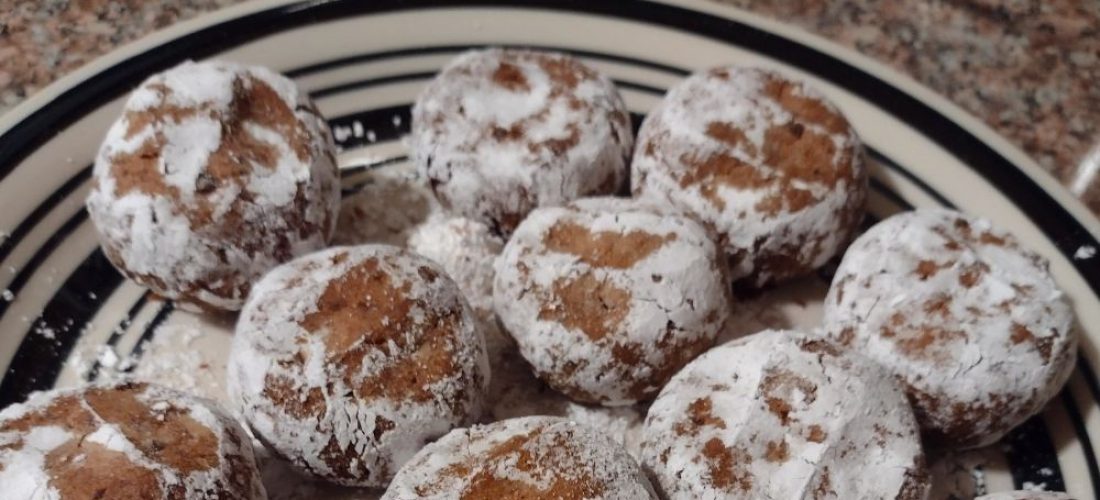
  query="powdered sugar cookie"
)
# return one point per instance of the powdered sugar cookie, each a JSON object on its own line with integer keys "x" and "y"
{"x": 214, "y": 173}
{"x": 780, "y": 414}
{"x": 465, "y": 249}
{"x": 500, "y": 132}
{"x": 124, "y": 441}
{"x": 347, "y": 361}
{"x": 767, "y": 162}
{"x": 608, "y": 298}
{"x": 971, "y": 322}
{"x": 521, "y": 458}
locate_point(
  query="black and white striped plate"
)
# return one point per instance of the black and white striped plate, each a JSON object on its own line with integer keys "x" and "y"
{"x": 66, "y": 316}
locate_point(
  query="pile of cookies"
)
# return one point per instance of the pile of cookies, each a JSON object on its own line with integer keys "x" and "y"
{"x": 367, "y": 366}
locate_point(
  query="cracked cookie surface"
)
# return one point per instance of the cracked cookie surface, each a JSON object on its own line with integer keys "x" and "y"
{"x": 608, "y": 297}
{"x": 521, "y": 459}
{"x": 125, "y": 441}
{"x": 969, "y": 320}
{"x": 500, "y": 132}
{"x": 767, "y": 162}
{"x": 347, "y": 361}
{"x": 215, "y": 173}
{"x": 781, "y": 414}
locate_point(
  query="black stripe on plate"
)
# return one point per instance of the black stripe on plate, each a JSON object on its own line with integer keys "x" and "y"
{"x": 40, "y": 256}
{"x": 1032, "y": 456}
{"x": 117, "y": 333}
{"x": 1090, "y": 377}
{"x": 1086, "y": 443}
{"x": 349, "y": 187}
{"x": 358, "y": 169}
{"x": 40, "y": 359}
{"x": 889, "y": 194}
{"x": 454, "y": 49}
{"x": 31, "y": 220}
{"x": 361, "y": 84}
{"x": 882, "y": 158}
{"x": 165, "y": 310}
{"x": 428, "y": 75}
{"x": 387, "y": 124}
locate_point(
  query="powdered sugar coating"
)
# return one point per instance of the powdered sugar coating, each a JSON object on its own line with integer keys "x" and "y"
{"x": 972, "y": 323}
{"x": 348, "y": 360}
{"x": 767, "y": 162}
{"x": 115, "y": 440}
{"x": 1026, "y": 495}
{"x": 530, "y": 457}
{"x": 607, "y": 298}
{"x": 780, "y": 414}
{"x": 500, "y": 132}
{"x": 465, "y": 249}
{"x": 214, "y": 173}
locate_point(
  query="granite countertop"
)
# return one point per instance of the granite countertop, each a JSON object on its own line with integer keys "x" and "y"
{"x": 1029, "y": 68}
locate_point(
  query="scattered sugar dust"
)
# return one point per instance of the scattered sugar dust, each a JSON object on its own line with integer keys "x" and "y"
{"x": 188, "y": 357}
{"x": 385, "y": 209}
{"x": 793, "y": 306}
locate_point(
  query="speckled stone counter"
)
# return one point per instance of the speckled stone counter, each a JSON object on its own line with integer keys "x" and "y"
{"x": 1029, "y": 68}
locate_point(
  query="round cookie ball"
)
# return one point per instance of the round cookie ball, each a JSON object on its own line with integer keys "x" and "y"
{"x": 124, "y": 441}
{"x": 522, "y": 458}
{"x": 345, "y": 362}
{"x": 464, "y": 248}
{"x": 767, "y": 162}
{"x": 780, "y": 414}
{"x": 215, "y": 173}
{"x": 1026, "y": 495}
{"x": 607, "y": 298}
{"x": 501, "y": 132}
{"x": 972, "y": 323}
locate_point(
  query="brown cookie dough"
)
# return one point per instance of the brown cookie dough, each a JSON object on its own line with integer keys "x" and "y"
{"x": 124, "y": 441}
{"x": 607, "y": 298}
{"x": 347, "y": 361}
{"x": 521, "y": 459}
{"x": 214, "y": 173}
{"x": 970, "y": 321}
{"x": 501, "y": 132}
{"x": 768, "y": 163}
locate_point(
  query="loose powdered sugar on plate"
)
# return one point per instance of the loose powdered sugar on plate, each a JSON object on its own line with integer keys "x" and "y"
{"x": 389, "y": 204}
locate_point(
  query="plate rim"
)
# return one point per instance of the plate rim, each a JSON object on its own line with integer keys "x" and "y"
{"x": 976, "y": 136}
{"x": 30, "y": 107}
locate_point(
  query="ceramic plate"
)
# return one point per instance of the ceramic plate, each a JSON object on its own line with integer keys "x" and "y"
{"x": 66, "y": 316}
